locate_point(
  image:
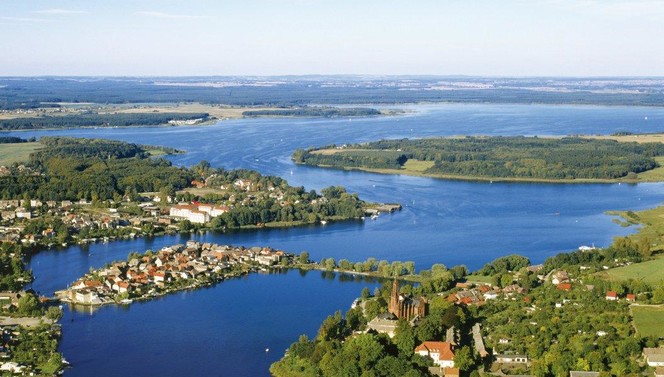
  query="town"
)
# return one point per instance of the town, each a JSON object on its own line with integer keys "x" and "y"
{"x": 169, "y": 270}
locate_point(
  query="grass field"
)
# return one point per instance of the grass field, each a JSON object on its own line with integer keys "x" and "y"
{"x": 638, "y": 138}
{"x": 650, "y": 271}
{"x": 479, "y": 279}
{"x": 417, "y": 165}
{"x": 648, "y": 320}
{"x": 10, "y": 153}
{"x": 654, "y": 175}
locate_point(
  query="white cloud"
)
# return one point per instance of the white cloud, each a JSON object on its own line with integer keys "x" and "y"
{"x": 24, "y": 19}
{"x": 614, "y": 8}
{"x": 171, "y": 16}
{"x": 60, "y": 11}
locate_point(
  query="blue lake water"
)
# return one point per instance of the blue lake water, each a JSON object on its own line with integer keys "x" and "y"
{"x": 450, "y": 222}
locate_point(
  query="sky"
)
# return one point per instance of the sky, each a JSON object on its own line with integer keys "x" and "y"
{"x": 294, "y": 37}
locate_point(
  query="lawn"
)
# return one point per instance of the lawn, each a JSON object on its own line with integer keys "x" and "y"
{"x": 648, "y": 320}
{"x": 650, "y": 272}
{"x": 19, "y": 152}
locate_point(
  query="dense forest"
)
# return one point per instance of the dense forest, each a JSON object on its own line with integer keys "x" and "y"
{"x": 11, "y": 140}
{"x": 288, "y": 91}
{"x": 498, "y": 157}
{"x": 325, "y": 112}
{"x": 97, "y": 120}
{"x": 69, "y": 168}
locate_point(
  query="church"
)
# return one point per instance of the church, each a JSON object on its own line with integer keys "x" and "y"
{"x": 406, "y": 307}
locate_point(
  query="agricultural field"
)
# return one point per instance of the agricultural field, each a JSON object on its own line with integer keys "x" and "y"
{"x": 650, "y": 271}
{"x": 18, "y": 152}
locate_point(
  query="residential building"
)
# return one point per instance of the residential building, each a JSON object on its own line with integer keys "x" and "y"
{"x": 511, "y": 359}
{"x": 612, "y": 296}
{"x": 654, "y": 356}
{"x": 440, "y": 352}
{"x": 383, "y": 324}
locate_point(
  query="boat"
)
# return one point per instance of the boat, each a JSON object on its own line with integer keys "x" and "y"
{"x": 323, "y": 222}
{"x": 374, "y": 217}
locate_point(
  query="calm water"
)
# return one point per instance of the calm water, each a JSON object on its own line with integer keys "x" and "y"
{"x": 442, "y": 222}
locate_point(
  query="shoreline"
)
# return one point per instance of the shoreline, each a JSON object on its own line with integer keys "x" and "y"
{"x": 483, "y": 179}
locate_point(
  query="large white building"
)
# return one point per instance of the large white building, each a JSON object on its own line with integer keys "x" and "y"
{"x": 189, "y": 212}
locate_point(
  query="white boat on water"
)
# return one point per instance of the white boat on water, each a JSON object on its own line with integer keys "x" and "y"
{"x": 374, "y": 217}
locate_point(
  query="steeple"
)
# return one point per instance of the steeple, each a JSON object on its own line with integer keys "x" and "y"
{"x": 394, "y": 299}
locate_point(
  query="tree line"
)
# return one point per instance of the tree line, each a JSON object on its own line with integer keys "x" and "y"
{"x": 499, "y": 157}
{"x": 96, "y": 120}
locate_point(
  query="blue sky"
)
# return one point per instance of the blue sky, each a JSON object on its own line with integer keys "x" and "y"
{"x": 268, "y": 37}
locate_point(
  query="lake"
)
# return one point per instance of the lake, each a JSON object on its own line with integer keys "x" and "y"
{"x": 450, "y": 222}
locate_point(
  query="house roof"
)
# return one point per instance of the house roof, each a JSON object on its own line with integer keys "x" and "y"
{"x": 564, "y": 286}
{"x": 452, "y": 372}
{"x": 611, "y": 294}
{"x": 443, "y": 349}
{"x": 655, "y": 355}
{"x": 574, "y": 373}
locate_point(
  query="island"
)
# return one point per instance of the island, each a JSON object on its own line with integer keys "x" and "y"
{"x": 103, "y": 115}
{"x": 318, "y": 111}
{"x": 171, "y": 269}
{"x": 498, "y": 158}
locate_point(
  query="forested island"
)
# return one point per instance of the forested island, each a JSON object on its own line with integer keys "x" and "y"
{"x": 324, "y": 112}
{"x": 92, "y": 119}
{"x": 566, "y": 159}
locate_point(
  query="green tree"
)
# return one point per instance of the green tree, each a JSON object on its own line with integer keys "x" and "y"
{"x": 463, "y": 358}
{"x": 404, "y": 338}
{"x": 28, "y": 305}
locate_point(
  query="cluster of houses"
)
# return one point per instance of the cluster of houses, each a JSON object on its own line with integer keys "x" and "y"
{"x": 470, "y": 294}
{"x": 174, "y": 266}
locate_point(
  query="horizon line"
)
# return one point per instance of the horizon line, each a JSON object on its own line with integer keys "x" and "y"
{"x": 336, "y": 74}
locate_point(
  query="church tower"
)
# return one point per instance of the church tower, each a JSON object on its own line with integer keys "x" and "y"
{"x": 394, "y": 299}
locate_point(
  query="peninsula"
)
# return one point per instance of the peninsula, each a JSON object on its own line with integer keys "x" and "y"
{"x": 527, "y": 159}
